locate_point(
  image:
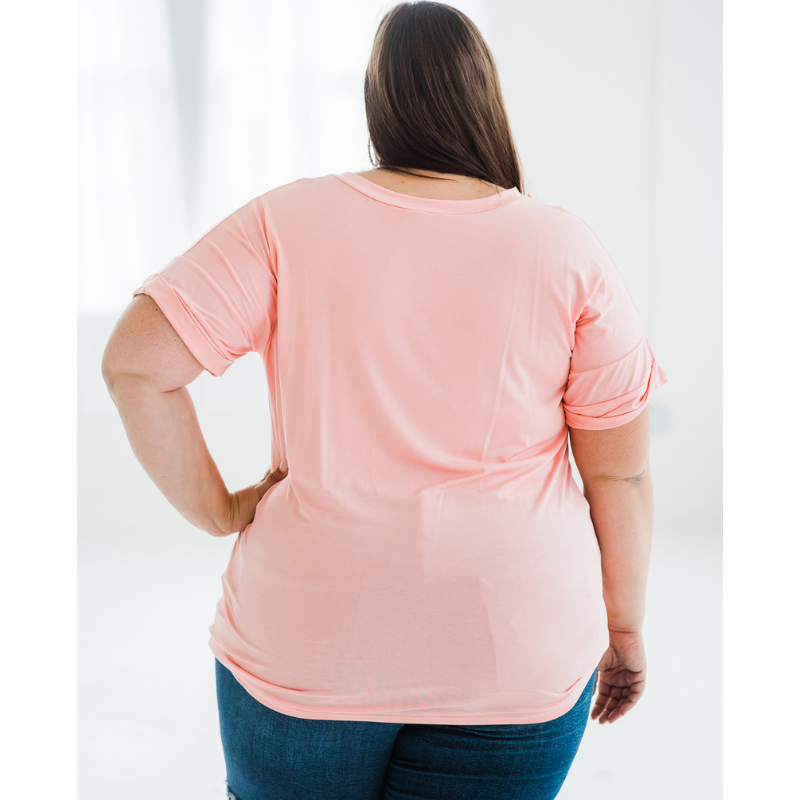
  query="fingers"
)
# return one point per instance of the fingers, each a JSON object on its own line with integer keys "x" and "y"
{"x": 614, "y": 714}
{"x": 611, "y": 704}
{"x": 602, "y": 713}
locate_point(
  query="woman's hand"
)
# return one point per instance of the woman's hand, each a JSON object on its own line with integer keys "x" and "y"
{"x": 621, "y": 674}
{"x": 242, "y": 505}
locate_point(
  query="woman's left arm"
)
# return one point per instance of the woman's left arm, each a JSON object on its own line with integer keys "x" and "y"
{"x": 147, "y": 367}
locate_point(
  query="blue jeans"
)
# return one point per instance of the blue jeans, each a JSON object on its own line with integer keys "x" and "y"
{"x": 272, "y": 756}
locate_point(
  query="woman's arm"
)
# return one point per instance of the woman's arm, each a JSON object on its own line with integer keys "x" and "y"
{"x": 615, "y": 469}
{"x": 146, "y": 367}
{"x": 622, "y": 514}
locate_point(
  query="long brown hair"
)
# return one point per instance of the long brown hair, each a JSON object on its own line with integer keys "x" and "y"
{"x": 433, "y": 98}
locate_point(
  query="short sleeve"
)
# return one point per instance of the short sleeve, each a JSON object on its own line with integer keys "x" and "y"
{"x": 613, "y": 369}
{"x": 221, "y": 294}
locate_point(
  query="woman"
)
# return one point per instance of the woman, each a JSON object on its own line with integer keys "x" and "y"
{"x": 420, "y": 604}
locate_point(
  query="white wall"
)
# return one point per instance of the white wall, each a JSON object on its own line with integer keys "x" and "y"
{"x": 688, "y": 252}
{"x": 617, "y": 111}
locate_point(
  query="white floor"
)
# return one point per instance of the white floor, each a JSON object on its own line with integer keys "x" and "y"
{"x": 149, "y": 582}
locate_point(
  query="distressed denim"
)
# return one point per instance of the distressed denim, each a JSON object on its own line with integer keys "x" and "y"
{"x": 272, "y": 756}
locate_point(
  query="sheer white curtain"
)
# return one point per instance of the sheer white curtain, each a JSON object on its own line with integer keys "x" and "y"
{"x": 284, "y": 89}
{"x": 187, "y": 110}
{"x": 285, "y": 84}
{"x": 131, "y": 205}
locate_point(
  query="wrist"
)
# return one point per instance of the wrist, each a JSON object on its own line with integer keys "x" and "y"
{"x": 625, "y": 608}
{"x": 629, "y": 630}
{"x": 220, "y": 516}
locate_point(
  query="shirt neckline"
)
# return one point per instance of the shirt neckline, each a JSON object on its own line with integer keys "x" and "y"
{"x": 431, "y": 205}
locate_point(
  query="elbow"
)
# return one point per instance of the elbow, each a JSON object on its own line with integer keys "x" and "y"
{"x": 110, "y": 374}
{"x": 640, "y": 477}
{"x": 109, "y": 378}
{"x": 107, "y": 370}
{"x": 112, "y": 367}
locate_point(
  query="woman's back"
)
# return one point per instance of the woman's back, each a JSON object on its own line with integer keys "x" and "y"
{"x": 429, "y": 557}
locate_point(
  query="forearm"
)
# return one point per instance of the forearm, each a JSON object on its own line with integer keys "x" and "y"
{"x": 165, "y": 436}
{"x": 622, "y": 514}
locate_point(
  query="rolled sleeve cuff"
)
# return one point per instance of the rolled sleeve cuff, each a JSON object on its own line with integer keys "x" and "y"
{"x": 185, "y": 323}
{"x": 599, "y": 414}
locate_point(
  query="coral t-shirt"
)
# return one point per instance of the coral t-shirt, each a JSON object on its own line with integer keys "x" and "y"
{"x": 429, "y": 558}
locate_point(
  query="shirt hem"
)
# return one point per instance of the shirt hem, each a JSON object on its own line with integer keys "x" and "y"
{"x": 419, "y": 718}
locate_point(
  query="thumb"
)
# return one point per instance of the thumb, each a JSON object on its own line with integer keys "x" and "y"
{"x": 277, "y": 474}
